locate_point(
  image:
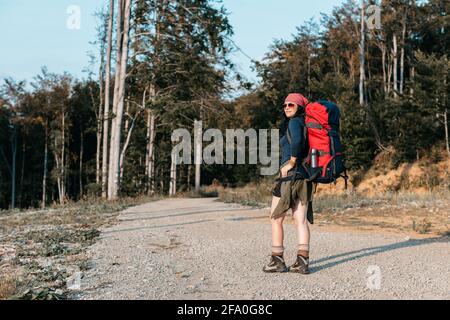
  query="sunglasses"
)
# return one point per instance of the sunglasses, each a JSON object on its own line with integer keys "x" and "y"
{"x": 290, "y": 105}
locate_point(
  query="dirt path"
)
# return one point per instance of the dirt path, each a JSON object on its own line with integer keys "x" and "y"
{"x": 205, "y": 249}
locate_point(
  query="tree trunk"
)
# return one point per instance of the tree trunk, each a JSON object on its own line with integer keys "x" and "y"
{"x": 383, "y": 61}
{"x": 13, "y": 167}
{"x": 127, "y": 118}
{"x": 309, "y": 74}
{"x": 59, "y": 160}
{"x": 150, "y": 161}
{"x": 395, "y": 64}
{"x": 63, "y": 162}
{"x": 44, "y": 178}
{"x": 189, "y": 178}
{"x": 119, "y": 43}
{"x": 99, "y": 120}
{"x": 362, "y": 56}
{"x": 58, "y": 169}
{"x": 81, "y": 163}
{"x": 106, "y": 116}
{"x": 402, "y": 56}
{"x": 119, "y": 101}
{"x": 22, "y": 172}
{"x": 99, "y": 144}
{"x": 125, "y": 146}
{"x": 446, "y": 111}
{"x": 147, "y": 148}
{"x": 173, "y": 175}
{"x": 152, "y": 153}
{"x": 151, "y": 118}
{"x": 99, "y": 130}
{"x": 389, "y": 74}
{"x": 447, "y": 142}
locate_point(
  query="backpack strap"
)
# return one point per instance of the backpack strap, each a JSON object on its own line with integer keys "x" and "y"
{"x": 305, "y": 136}
{"x": 314, "y": 125}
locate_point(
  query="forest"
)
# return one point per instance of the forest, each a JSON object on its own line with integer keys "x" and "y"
{"x": 165, "y": 64}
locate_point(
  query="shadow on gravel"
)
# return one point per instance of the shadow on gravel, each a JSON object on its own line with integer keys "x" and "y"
{"x": 172, "y": 214}
{"x": 153, "y": 227}
{"x": 357, "y": 254}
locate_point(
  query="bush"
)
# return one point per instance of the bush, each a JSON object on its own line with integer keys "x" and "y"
{"x": 94, "y": 190}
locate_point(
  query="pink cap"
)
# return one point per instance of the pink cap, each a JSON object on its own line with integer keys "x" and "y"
{"x": 297, "y": 98}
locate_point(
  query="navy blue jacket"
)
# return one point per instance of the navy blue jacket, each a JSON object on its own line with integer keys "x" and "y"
{"x": 298, "y": 147}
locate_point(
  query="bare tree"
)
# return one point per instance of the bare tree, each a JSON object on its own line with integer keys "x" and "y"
{"x": 44, "y": 176}
{"x": 447, "y": 142}
{"x": 106, "y": 115}
{"x": 129, "y": 130}
{"x": 119, "y": 42}
{"x": 445, "y": 106}
{"x": 173, "y": 175}
{"x": 149, "y": 159}
{"x": 402, "y": 52}
{"x": 80, "y": 173}
{"x": 395, "y": 64}
{"x": 59, "y": 152}
{"x": 380, "y": 42}
{"x": 119, "y": 97}
{"x": 362, "y": 56}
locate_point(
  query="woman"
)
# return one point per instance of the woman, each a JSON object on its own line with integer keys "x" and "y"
{"x": 296, "y": 194}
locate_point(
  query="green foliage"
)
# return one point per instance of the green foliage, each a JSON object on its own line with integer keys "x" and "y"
{"x": 323, "y": 63}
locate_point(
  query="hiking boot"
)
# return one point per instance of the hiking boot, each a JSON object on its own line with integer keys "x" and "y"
{"x": 276, "y": 264}
{"x": 300, "y": 266}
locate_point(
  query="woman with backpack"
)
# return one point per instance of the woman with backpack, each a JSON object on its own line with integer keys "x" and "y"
{"x": 295, "y": 194}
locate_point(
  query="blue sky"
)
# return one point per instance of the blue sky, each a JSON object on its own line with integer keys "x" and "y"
{"x": 35, "y": 34}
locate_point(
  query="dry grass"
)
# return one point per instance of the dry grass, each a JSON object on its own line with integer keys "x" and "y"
{"x": 253, "y": 194}
{"x": 408, "y": 212}
{"x": 405, "y": 213}
{"x": 426, "y": 175}
{"x": 8, "y": 285}
{"x": 40, "y": 249}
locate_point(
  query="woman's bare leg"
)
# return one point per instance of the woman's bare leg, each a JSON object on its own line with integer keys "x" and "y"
{"x": 276, "y": 263}
{"x": 277, "y": 229}
{"x": 303, "y": 234}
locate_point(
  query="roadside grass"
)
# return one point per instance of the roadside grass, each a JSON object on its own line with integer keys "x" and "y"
{"x": 7, "y": 285}
{"x": 255, "y": 194}
{"x": 259, "y": 194}
{"x": 41, "y": 249}
{"x": 420, "y": 213}
{"x": 201, "y": 193}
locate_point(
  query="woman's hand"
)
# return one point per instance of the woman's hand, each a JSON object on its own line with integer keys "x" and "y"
{"x": 285, "y": 169}
{"x": 290, "y": 165}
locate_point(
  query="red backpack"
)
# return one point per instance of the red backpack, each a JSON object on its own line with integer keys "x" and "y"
{"x": 324, "y": 163}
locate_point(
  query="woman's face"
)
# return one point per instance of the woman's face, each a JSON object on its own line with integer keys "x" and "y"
{"x": 290, "y": 109}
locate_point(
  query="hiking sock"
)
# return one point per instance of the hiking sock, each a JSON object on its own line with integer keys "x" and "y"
{"x": 277, "y": 251}
{"x": 303, "y": 250}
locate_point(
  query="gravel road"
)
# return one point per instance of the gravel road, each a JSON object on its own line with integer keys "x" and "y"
{"x": 205, "y": 249}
